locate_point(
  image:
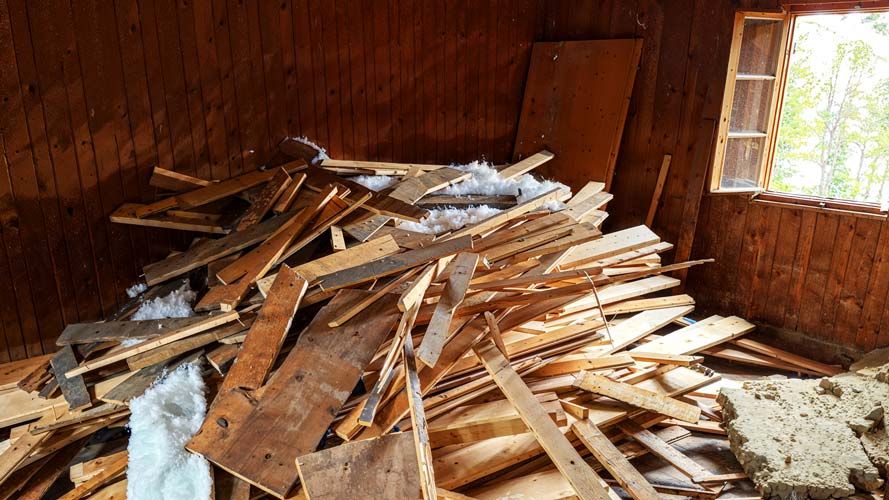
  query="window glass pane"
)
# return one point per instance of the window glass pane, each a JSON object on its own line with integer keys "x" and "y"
{"x": 760, "y": 47}
{"x": 742, "y": 160}
{"x": 751, "y": 106}
{"x": 833, "y": 136}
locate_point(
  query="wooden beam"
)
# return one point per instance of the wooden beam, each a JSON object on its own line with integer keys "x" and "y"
{"x": 614, "y": 461}
{"x": 586, "y": 483}
{"x": 635, "y": 396}
{"x": 419, "y": 428}
{"x": 663, "y": 450}
{"x": 73, "y": 388}
{"x": 439, "y": 327}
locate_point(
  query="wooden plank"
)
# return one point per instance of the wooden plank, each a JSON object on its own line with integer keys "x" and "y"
{"x": 209, "y": 250}
{"x": 118, "y": 331}
{"x": 20, "y": 448}
{"x": 393, "y": 264}
{"x": 573, "y": 363}
{"x": 126, "y": 214}
{"x": 663, "y": 450}
{"x": 466, "y": 201}
{"x": 285, "y": 201}
{"x": 586, "y": 483}
{"x": 178, "y": 334}
{"x": 377, "y": 295}
{"x": 667, "y": 359}
{"x": 307, "y": 391}
{"x": 364, "y": 228}
{"x": 412, "y": 189}
{"x": 175, "y": 181}
{"x": 112, "y": 469}
{"x": 73, "y": 388}
{"x": 658, "y": 189}
{"x": 472, "y": 423}
{"x": 419, "y": 429}
{"x": 609, "y": 245}
{"x": 614, "y": 461}
{"x": 358, "y": 254}
{"x": 12, "y": 373}
{"x": 690, "y": 340}
{"x": 526, "y": 165}
{"x": 174, "y": 349}
{"x": 337, "y": 239}
{"x": 635, "y": 396}
{"x": 382, "y": 467}
{"x": 234, "y": 185}
{"x": 438, "y": 329}
{"x": 565, "y": 79}
{"x": 495, "y": 334}
{"x": 265, "y": 200}
{"x": 133, "y": 386}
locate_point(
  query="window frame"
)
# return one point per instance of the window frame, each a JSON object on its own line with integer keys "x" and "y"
{"x": 794, "y": 9}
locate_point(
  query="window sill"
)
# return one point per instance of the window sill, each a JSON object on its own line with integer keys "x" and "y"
{"x": 823, "y": 205}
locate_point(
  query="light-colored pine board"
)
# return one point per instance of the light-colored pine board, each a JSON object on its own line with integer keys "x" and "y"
{"x": 439, "y": 327}
{"x": 614, "y": 461}
{"x": 635, "y": 396}
{"x": 586, "y": 483}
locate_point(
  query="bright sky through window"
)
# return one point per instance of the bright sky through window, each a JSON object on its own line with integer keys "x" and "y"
{"x": 833, "y": 137}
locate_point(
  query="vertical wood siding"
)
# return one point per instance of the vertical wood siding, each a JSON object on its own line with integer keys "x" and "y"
{"x": 94, "y": 93}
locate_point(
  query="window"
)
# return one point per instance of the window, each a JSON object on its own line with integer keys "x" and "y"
{"x": 805, "y": 115}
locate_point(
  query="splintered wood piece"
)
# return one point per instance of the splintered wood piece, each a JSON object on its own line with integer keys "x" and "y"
{"x": 269, "y": 251}
{"x": 235, "y": 185}
{"x": 635, "y": 396}
{"x": 439, "y": 326}
{"x": 385, "y": 373}
{"x": 113, "y": 357}
{"x": 494, "y": 332}
{"x": 289, "y": 195}
{"x": 267, "y": 197}
{"x": 321, "y": 225}
{"x": 364, "y": 228}
{"x": 263, "y": 342}
{"x": 411, "y": 189}
{"x": 381, "y": 468}
{"x": 73, "y": 388}
{"x": 509, "y": 214}
{"x": 209, "y": 250}
{"x": 614, "y": 461}
{"x": 16, "y": 371}
{"x": 357, "y": 308}
{"x": 22, "y": 446}
{"x": 610, "y": 245}
{"x": 175, "y": 181}
{"x": 663, "y": 450}
{"x": 413, "y": 294}
{"x": 585, "y": 481}
{"x": 667, "y": 359}
{"x": 163, "y": 353}
{"x": 127, "y": 214}
{"x": 111, "y": 470}
{"x": 337, "y": 240}
{"x": 358, "y": 254}
{"x": 307, "y": 392}
{"x": 419, "y": 428}
{"x": 379, "y": 203}
{"x": 393, "y": 264}
{"x": 588, "y": 190}
{"x": 526, "y": 165}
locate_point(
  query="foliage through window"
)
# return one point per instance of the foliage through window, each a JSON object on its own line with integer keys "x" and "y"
{"x": 806, "y": 108}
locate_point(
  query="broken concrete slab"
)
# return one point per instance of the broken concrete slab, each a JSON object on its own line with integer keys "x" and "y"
{"x": 801, "y": 438}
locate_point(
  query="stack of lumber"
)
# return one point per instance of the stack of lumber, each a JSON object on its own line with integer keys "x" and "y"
{"x": 524, "y": 354}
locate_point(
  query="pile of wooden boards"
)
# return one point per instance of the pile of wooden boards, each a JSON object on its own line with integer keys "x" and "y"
{"x": 524, "y": 354}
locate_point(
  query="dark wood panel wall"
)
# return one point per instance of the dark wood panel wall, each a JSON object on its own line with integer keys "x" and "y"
{"x": 94, "y": 93}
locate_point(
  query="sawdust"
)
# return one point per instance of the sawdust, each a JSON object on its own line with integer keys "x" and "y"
{"x": 810, "y": 438}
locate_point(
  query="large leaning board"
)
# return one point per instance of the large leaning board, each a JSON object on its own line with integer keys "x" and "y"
{"x": 306, "y": 392}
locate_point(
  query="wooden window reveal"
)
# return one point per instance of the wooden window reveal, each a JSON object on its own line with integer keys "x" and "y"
{"x": 752, "y": 92}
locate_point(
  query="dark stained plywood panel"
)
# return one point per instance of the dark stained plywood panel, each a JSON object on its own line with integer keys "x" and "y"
{"x": 575, "y": 104}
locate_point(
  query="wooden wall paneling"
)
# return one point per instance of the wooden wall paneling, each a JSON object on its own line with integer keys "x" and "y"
{"x": 27, "y": 164}
{"x": 396, "y": 90}
{"x": 105, "y": 102}
{"x": 261, "y": 147}
{"x": 224, "y": 56}
{"x": 869, "y": 335}
{"x": 345, "y": 93}
{"x": 309, "y": 117}
{"x": 851, "y": 298}
{"x": 194, "y": 90}
{"x": 248, "y": 97}
{"x": 734, "y": 219}
{"x": 202, "y": 18}
{"x": 140, "y": 114}
{"x": 15, "y": 296}
{"x": 818, "y": 271}
{"x": 288, "y": 68}
{"x": 358, "y": 81}
{"x": 837, "y": 274}
{"x": 777, "y": 293}
{"x": 800, "y": 268}
{"x": 328, "y": 51}
{"x": 762, "y": 270}
{"x": 271, "y": 15}
{"x": 380, "y": 32}
{"x": 52, "y": 36}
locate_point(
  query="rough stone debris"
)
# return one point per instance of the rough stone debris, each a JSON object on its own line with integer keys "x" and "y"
{"x": 811, "y": 438}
